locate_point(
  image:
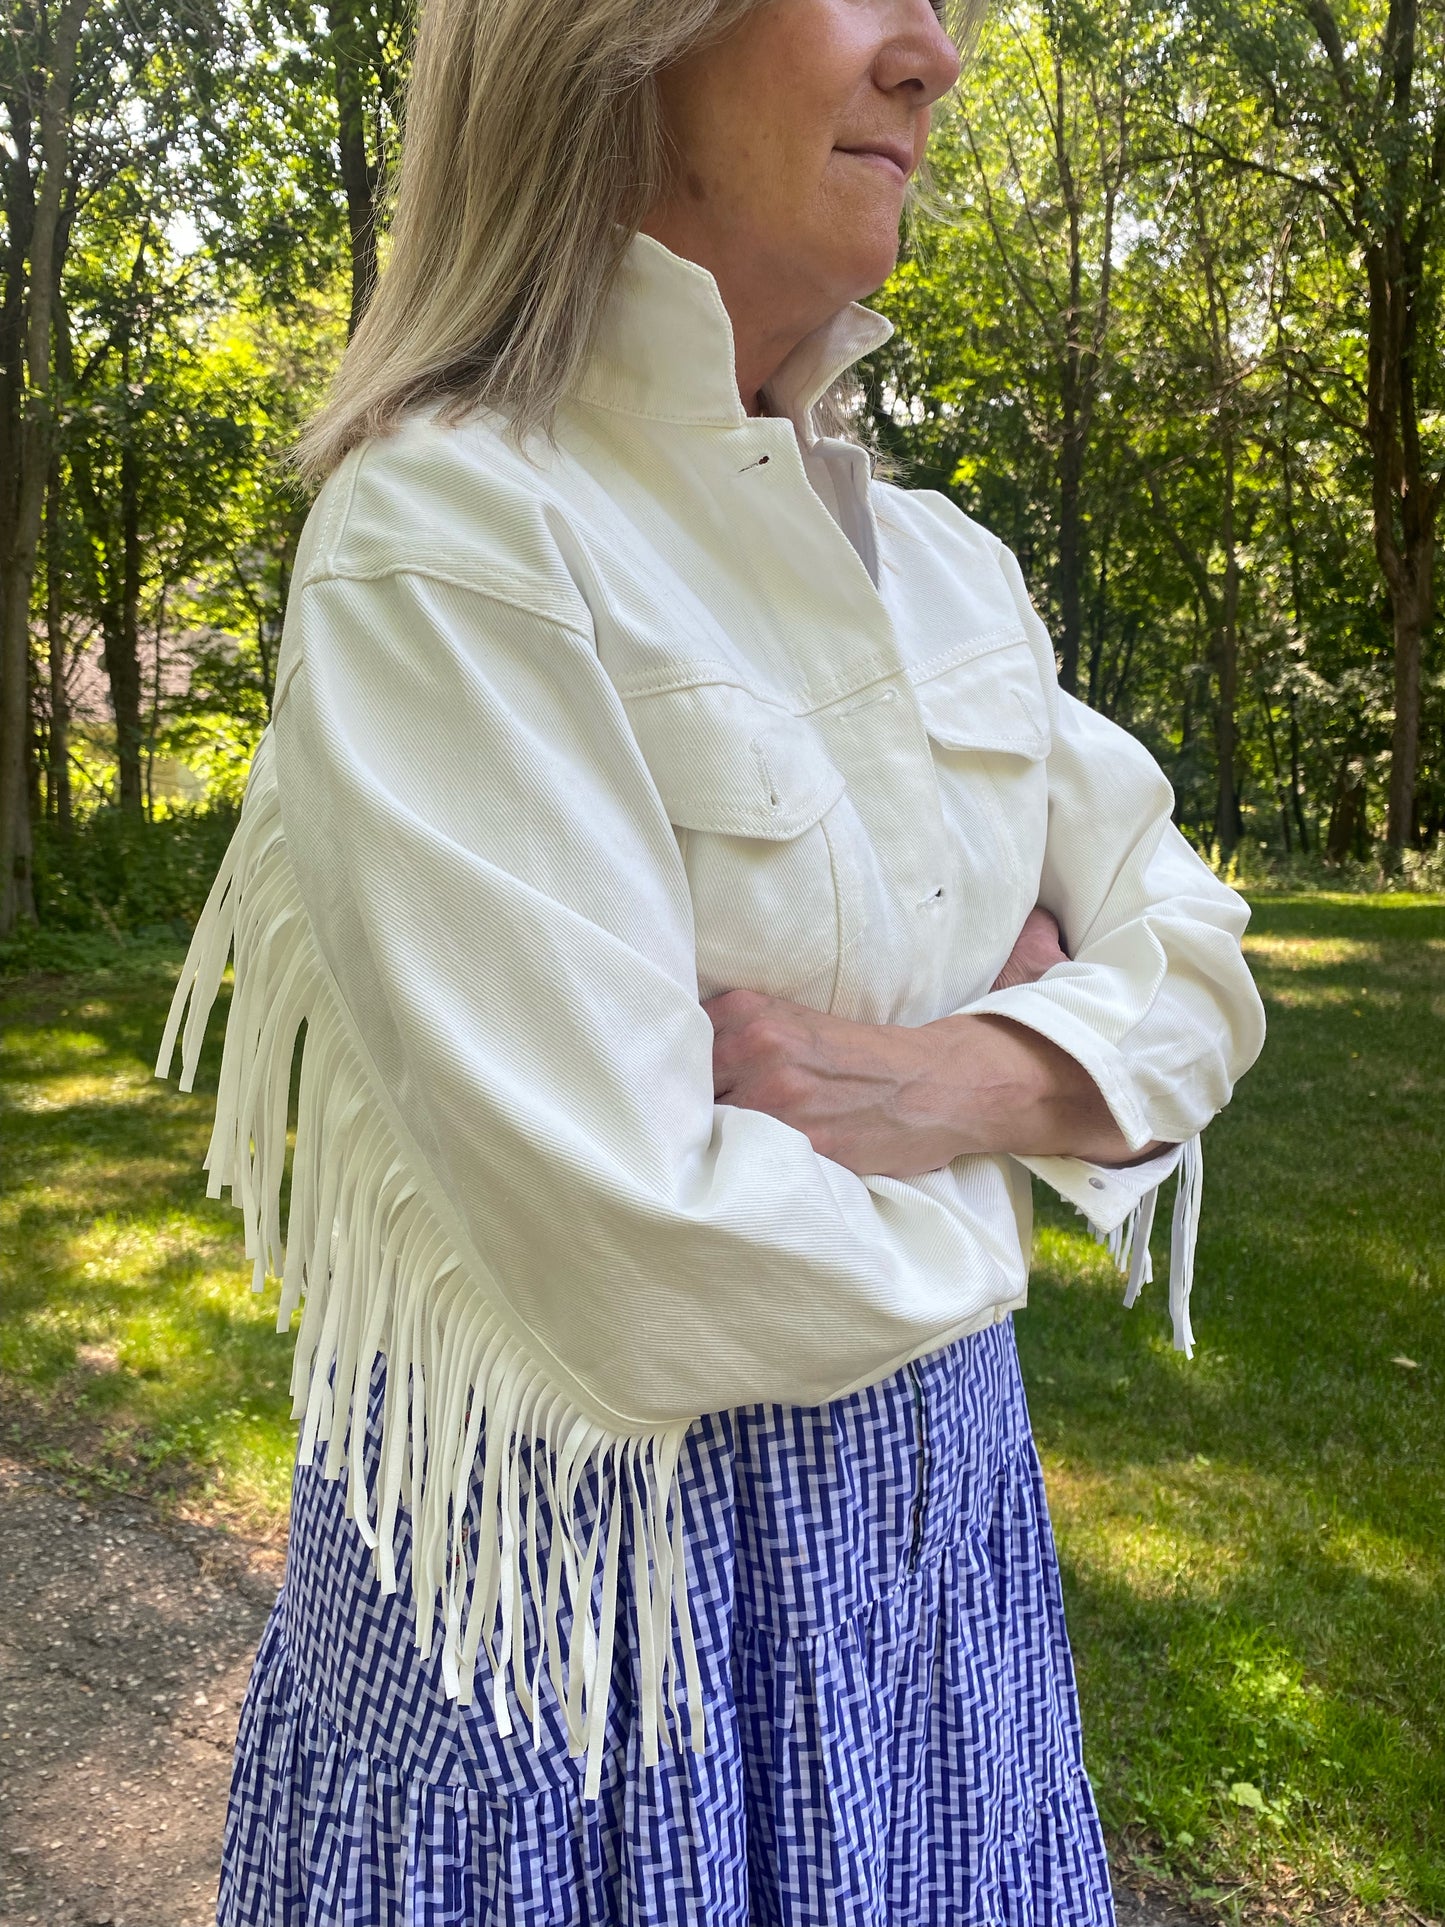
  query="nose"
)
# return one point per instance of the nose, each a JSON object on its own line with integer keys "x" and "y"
{"x": 920, "y": 58}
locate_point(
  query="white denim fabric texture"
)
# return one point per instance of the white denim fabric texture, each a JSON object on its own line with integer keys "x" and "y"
{"x": 561, "y": 747}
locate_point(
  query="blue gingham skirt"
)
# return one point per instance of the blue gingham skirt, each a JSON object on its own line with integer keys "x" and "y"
{"x": 893, "y": 1728}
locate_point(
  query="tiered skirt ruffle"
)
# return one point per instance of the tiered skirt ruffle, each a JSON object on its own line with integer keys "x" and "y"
{"x": 893, "y": 1735}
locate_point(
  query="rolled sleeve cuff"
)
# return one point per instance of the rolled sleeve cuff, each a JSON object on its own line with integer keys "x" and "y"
{"x": 1026, "y": 1004}
{"x": 1104, "y": 1193}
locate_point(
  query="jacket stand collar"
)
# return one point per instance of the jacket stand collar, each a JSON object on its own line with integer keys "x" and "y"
{"x": 664, "y": 348}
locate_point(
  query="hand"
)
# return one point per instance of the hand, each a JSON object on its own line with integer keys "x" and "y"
{"x": 866, "y": 1095}
{"x": 1037, "y": 948}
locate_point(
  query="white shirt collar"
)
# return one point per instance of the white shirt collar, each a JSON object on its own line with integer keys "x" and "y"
{"x": 664, "y": 348}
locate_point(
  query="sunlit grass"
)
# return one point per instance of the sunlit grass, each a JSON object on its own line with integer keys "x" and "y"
{"x": 131, "y": 1350}
{"x": 1253, "y": 1541}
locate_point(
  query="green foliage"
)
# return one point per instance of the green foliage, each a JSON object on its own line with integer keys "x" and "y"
{"x": 126, "y": 877}
{"x": 1146, "y": 265}
{"x": 1148, "y": 253}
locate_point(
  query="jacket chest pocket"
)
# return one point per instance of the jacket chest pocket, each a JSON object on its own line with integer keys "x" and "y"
{"x": 988, "y": 725}
{"x": 753, "y": 796}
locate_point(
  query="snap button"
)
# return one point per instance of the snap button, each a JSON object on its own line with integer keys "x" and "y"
{"x": 1096, "y": 1184}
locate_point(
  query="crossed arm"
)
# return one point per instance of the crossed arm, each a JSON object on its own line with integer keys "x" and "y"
{"x": 895, "y": 1100}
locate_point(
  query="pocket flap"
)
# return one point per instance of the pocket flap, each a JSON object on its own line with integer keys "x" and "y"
{"x": 994, "y": 700}
{"x": 725, "y": 760}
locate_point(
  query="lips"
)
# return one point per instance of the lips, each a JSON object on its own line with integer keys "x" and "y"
{"x": 897, "y": 154}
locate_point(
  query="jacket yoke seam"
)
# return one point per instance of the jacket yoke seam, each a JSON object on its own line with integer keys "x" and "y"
{"x": 338, "y": 512}
{"x": 491, "y": 591}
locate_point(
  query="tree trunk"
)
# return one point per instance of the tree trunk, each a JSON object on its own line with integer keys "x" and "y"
{"x": 1297, "y": 609}
{"x": 1347, "y": 816}
{"x": 18, "y": 228}
{"x": 122, "y": 646}
{"x": 1394, "y": 221}
{"x": 1409, "y": 611}
{"x": 1272, "y": 744}
{"x": 1296, "y": 786}
{"x": 37, "y": 753}
{"x": 154, "y": 723}
{"x": 1071, "y": 467}
{"x": 360, "y": 178}
{"x": 57, "y": 781}
{"x": 17, "y": 567}
{"x": 1403, "y": 501}
{"x": 1099, "y": 618}
{"x": 1118, "y": 682}
{"x": 1226, "y": 639}
{"x": 16, "y": 891}
{"x": 1073, "y": 404}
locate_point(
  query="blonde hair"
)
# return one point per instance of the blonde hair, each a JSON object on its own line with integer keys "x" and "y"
{"x": 533, "y": 147}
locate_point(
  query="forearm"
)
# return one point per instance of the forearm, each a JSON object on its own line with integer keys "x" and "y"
{"x": 896, "y": 1100}
{"x": 1000, "y": 1087}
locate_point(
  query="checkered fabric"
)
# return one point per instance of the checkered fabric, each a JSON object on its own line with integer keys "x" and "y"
{"x": 893, "y": 1734}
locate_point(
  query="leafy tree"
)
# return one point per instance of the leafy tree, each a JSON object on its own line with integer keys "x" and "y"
{"x": 40, "y": 54}
{"x": 1176, "y": 336}
{"x": 1360, "y": 87}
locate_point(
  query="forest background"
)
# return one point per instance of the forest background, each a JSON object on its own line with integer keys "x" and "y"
{"x": 1176, "y": 333}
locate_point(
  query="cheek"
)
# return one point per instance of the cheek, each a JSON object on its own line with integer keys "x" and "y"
{"x": 782, "y": 107}
{"x": 742, "y": 165}
{"x": 785, "y": 154}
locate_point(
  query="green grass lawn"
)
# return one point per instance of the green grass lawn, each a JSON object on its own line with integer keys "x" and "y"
{"x": 1253, "y": 1542}
{"x": 132, "y": 1349}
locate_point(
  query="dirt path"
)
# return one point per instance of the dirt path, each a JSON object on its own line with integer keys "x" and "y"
{"x": 124, "y": 1652}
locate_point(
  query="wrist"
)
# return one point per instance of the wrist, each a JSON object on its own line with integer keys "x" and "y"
{"x": 1004, "y": 1089}
{"x": 991, "y": 1080}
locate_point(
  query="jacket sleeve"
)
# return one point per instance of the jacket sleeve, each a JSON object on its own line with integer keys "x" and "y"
{"x": 1157, "y": 1002}
{"x": 496, "y": 889}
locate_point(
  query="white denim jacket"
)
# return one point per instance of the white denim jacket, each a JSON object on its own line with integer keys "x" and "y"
{"x": 562, "y": 747}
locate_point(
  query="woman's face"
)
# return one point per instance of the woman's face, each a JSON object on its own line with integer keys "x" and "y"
{"x": 794, "y": 138}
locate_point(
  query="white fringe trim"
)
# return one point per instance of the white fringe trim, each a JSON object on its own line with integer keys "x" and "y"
{"x": 1128, "y": 1245}
{"x": 380, "y": 1274}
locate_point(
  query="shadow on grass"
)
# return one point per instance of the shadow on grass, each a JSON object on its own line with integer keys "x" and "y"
{"x": 1397, "y": 917}
{"x": 1230, "y": 1742}
{"x": 131, "y": 1347}
{"x": 1252, "y": 1541}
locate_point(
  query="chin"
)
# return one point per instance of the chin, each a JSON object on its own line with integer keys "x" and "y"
{"x": 868, "y": 268}
{"x": 863, "y": 244}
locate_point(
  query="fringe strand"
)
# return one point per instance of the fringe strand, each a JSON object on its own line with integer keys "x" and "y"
{"x": 375, "y": 1272}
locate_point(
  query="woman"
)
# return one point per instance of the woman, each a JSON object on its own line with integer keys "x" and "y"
{"x": 648, "y": 835}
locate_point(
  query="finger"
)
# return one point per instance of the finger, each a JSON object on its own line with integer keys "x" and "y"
{"x": 716, "y": 1008}
{"x": 731, "y": 1009}
{"x": 1056, "y": 929}
{"x": 734, "y": 1055}
{"x": 724, "y": 1063}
